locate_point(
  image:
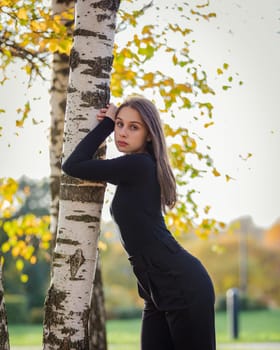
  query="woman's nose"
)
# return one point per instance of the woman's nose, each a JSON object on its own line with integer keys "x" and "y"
{"x": 123, "y": 132}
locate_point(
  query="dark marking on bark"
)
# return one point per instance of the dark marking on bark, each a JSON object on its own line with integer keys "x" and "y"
{"x": 58, "y": 256}
{"x": 62, "y": 58}
{"x": 62, "y": 105}
{"x": 98, "y": 98}
{"x": 89, "y": 33}
{"x": 54, "y": 185}
{"x": 101, "y": 18}
{"x": 74, "y": 59}
{"x": 104, "y": 87}
{"x": 84, "y": 130}
{"x": 67, "y": 330}
{"x": 66, "y": 2}
{"x": 84, "y": 32}
{"x": 53, "y": 304}
{"x": 67, "y": 241}
{"x": 86, "y": 194}
{"x": 111, "y": 5}
{"x": 82, "y": 218}
{"x": 99, "y": 67}
{"x": 76, "y": 261}
{"x": 112, "y": 26}
{"x": 71, "y": 89}
{"x": 56, "y": 265}
{"x": 93, "y": 99}
{"x": 80, "y": 118}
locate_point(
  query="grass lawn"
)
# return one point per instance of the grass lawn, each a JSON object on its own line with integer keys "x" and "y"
{"x": 256, "y": 326}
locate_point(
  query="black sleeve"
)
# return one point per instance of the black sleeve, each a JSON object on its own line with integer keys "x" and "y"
{"x": 126, "y": 169}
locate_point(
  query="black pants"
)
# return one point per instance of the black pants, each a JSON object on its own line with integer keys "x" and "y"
{"x": 179, "y": 299}
{"x": 184, "y": 329}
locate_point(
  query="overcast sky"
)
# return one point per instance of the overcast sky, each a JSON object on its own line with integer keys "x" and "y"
{"x": 247, "y": 119}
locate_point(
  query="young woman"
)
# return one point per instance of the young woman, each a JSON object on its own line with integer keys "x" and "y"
{"x": 177, "y": 291}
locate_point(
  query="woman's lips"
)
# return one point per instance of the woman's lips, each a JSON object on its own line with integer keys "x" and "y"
{"x": 122, "y": 143}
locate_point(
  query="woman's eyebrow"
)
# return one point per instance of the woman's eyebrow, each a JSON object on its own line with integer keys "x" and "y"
{"x": 131, "y": 121}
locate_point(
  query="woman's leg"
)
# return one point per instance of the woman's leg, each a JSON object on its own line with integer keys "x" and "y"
{"x": 193, "y": 328}
{"x": 155, "y": 334}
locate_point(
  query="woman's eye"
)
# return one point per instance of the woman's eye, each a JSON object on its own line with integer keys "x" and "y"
{"x": 133, "y": 127}
{"x": 119, "y": 124}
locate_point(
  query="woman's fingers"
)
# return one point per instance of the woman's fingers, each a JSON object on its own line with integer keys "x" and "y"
{"x": 101, "y": 113}
{"x": 108, "y": 111}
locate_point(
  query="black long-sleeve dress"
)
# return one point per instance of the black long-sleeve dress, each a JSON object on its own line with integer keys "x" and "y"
{"x": 168, "y": 276}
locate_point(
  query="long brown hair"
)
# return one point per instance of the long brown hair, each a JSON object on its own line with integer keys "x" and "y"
{"x": 157, "y": 147}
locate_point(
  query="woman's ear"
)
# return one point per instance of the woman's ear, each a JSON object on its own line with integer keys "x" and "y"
{"x": 149, "y": 139}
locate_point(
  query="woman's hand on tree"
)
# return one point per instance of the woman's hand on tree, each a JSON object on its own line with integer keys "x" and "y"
{"x": 108, "y": 111}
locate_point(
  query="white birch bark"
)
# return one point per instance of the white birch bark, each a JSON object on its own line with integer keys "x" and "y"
{"x": 60, "y": 77}
{"x": 74, "y": 260}
{"x": 4, "y": 334}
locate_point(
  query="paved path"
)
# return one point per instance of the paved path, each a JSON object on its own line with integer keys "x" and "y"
{"x": 249, "y": 346}
{"x": 238, "y": 346}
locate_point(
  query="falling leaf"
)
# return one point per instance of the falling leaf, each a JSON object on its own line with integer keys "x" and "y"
{"x": 207, "y": 209}
{"x": 249, "y": 155}
{"x": 228, "y": 178}
{"x": 215, "y": 172}
{"x": 208, "y": 124}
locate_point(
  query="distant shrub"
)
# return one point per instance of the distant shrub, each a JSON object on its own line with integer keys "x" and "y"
{"x": 245, "y": 302}
{"x": 124, "y": 313}
{"x": 36, "y": 315}
{"x": 16, "y": 306}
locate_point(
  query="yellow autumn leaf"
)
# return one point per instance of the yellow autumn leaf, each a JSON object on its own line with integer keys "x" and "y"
{"x": 225, "y": 65}
{"x": 28, "y": 69}
{"x": 228, "y": 178}
{"x": 219, "y": 71}
{"x": 53, "y": 45}
{"x": 15, "y": 251}
{"x": 19, "y": 265}
{"x": 5, "y": 247}
{"x": 102, "y": 245}
{"x": 22, "y": 13}
{"x": 33, "y": 260}
{"x": 5, "y": 3}
{"x": 38, "y": 26}
{"x": 174, "y": 59}
{"x": 206, "y": 125}
{"x": 24, "y": 278}
{"x": 207, "y": 209}
{"x": 215, "y": 172}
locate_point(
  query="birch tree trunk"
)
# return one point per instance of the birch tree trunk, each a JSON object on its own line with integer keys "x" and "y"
{"x": 58, "y": 92}
{"x": 97, "y": 315}
{"x": 4, "y": 334}
{"x": 58, "y": 104}
{"x": 75, "y": 254}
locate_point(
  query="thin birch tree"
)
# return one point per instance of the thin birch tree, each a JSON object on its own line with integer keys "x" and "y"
{"x": 4, "y": 334}
{"x": 58, "y": 92}
{"x": 75, "y": 254}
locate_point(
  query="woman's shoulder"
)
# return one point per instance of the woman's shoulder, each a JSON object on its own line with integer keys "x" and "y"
{"x": 136, "y": 166}
{"x": 144, "y": 159}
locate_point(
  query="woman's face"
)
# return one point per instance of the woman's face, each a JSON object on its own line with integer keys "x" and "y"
{"x": 131, "y": 132}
